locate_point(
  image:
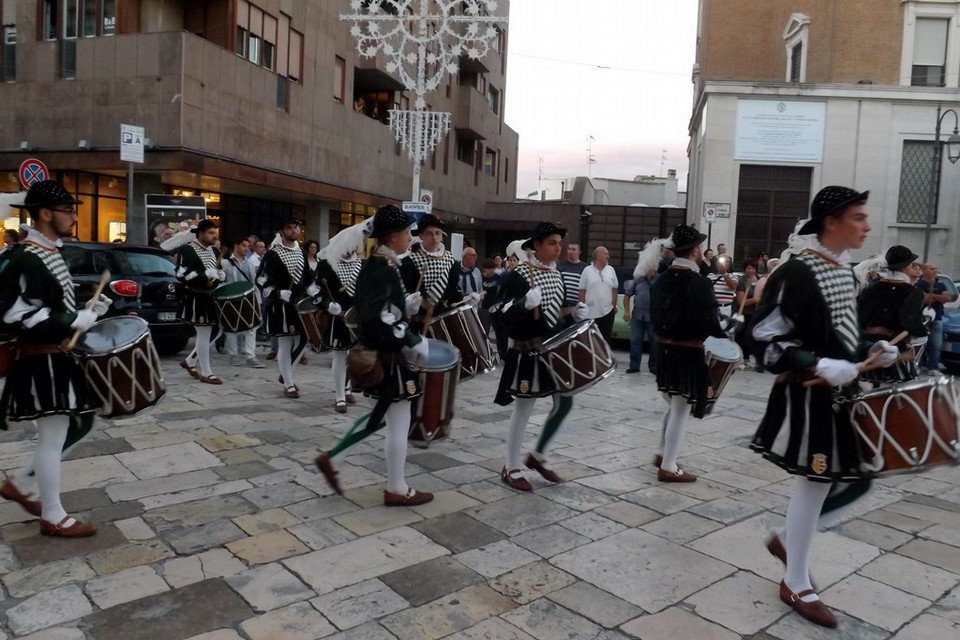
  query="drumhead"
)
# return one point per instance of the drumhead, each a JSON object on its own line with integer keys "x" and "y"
{"x": 723, "y": 349}
{"x": 460, "y": 308}
{"x": 441, "y": 357}
{"x": 567, "y": 334}
{"x": 233, "y": 290}
{"x": 306, "y": 306}
{"x": 111, "y": 334}
{"x": 907, "y": 387}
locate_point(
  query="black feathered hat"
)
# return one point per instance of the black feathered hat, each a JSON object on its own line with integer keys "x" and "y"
{"x": 828, "y": 200}
{"x": 543, "y": 230}
{"x": 388, "y": 219}
{"x": 898, "y": 257}
{"x": 685, "y": 237}
{"x": 46, "y": 194}
{"x": 429, "y": 220}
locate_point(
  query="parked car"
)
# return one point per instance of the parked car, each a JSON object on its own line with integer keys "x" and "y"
{"x": 142, "y": 283}
{"x": 950, "y": 353}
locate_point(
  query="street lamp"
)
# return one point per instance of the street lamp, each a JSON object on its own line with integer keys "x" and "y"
{"x": 953, "y": 154}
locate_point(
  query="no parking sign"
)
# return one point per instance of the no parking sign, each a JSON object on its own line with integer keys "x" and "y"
{"x": 32, "y": 170}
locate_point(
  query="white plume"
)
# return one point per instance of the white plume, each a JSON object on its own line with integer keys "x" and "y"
{"x": 177, "y": 240}
{"x": 346, "y": 242}
{"x": 515, "y": 248}
{"x": 871, "y": 264}
{"x": 7, "y": 199}
{"x": 649, "y": 258}
{"x": 796, "y": 243}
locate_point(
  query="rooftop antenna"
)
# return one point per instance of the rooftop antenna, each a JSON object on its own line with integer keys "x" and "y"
{"x": 591, "y": 159}
{"x": 540, "y": 177}
{"x": 663, "y": 160}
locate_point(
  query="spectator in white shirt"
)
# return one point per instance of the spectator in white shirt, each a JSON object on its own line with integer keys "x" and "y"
{"x": 598, "y": 288}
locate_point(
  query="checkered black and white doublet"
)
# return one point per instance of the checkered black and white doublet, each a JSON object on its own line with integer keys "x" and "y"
{"x": 47, "y": 384}
{"x": 347, "y": 272}
{"x": 282, "y": 318}
{"x": 435, "y": 271}
{"x": 551, "y": 288}
{"x": 807, "y": 430}
{"x": 838, "y": 284}
{"x": 198, "y": 307}
{"x": 54, "y": 263}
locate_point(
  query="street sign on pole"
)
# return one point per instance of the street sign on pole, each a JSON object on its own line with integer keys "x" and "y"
{"x": 426, "y": 197}
{"x": 32, "y": 170}
{"x": 131, "y": 143}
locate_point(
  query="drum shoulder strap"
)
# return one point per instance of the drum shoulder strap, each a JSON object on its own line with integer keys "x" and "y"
{"x": 239, "y": 269}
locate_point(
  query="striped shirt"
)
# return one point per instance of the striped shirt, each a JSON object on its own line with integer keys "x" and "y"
{"x": 721, "y": 290}
{"x": 571, "y": 272}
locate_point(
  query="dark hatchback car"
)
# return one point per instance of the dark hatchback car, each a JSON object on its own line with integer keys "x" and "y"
{"x": 142, "y": 283}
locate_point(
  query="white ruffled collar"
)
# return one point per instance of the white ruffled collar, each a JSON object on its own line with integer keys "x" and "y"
{"x": 38, "y": 238}
{"x": 840, "y": 258}
{"x": 898, "y": 276}
{"x": 532, "y": 259}
{"x": 434, "y": 254}
{"x": 687, "y": 264}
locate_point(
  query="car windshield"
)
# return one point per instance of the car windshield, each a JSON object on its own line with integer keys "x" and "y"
{"x": 92, "y": 261}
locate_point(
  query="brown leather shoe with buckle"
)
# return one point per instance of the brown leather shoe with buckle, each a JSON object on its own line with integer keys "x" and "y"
{"x": 816, "y": 612}
{"x": 291, "y": 392}
{"x": 10, "y": 492}
{"x": 515, "y": 480}
{"x": 548, "y": 474}
{"x": 675, "y": 476}
{"x": 351, "y": 399}
{"x": 325, "y": 465}
{"x": 340, "y": 406}
{"x": 411, "y": 499}
{"x": 78, "y": 529}
{"x": 191, "y": 370}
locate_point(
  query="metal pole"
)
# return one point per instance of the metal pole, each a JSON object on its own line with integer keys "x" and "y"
{"x": 709, "y": 233}
{"x": 131, "y": 222}
{"x": 934, "y": 191}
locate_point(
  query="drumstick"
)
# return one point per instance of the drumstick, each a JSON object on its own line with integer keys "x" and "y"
{"x": 327, "y": 287}
{"x": 104, "y": 279}
{"x": 743, "y": 300}
{"x": 867, "y": 364}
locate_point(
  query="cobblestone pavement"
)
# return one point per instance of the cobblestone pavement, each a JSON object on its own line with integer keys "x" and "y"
{"x": 215, "y": 526}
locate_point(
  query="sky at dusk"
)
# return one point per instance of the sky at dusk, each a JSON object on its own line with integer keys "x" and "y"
{"x": 618, "y": 70}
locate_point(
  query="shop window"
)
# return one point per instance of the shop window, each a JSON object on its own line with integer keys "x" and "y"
{"x": 339, "y": 78}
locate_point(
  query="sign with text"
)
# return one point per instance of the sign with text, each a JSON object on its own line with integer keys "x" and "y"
{"x": 168, "y": 215}
{"x": 714, "y": 210}
{"x": 131, "y": 143}
{"x": 780, "y": 130}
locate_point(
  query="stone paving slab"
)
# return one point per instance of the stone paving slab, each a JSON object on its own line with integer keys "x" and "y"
{"x": 215, "y": 525}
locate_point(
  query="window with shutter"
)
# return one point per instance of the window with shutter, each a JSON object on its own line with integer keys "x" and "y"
{"x": 296, "y": 55}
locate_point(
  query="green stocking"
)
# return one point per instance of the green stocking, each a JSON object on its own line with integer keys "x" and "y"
{"x": 561, "y": 407}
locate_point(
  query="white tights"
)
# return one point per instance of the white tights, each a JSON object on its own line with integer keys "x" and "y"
{"x": 674, "y": 432}
{"x": 285, "y": 359}
{"x": 201, "y": 352}
{"x": 803, "y": 512}
{"x": 52, "y": 432}
{"x": 522, "y": 410}
{"x": 398, "y": 429}
{"x": 340, "y": 375}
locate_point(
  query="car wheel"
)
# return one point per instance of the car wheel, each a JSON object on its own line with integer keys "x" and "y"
{"x": 170, "y": 346}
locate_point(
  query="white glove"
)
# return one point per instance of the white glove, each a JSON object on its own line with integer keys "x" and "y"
{"x": 418, "y": 351}
{"x": 285, "y": 295}
{"x": 85, "y": 320}
{"x": 334, "y": 309}
{"x": 101, "y": 305}
{"x": 313, "y": 290}
{"x": 212, "y": 273}
{"x": 734, "y": 323}
{"x": 581, "y": 311}
{"x": 388, "y": 318}
{"x": 889, "y": 353}
{"x": 532, "y": 299}
{"x": 221, "y": 275}
{"x": 413, "y": 303}
{"x": 472, "y": 298}
{"x": 837, "y": 372}
{"x": 928, "y": 312}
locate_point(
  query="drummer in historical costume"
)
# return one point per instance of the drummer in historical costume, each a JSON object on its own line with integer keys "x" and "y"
{"x": 532, "y": 296}
{"x": 45, "y": 383}
{"x": 890, "y": 306}
{"x": 684, "y": 312}
{"x": 284, "y": 281}
{"x": 199, "y": 270}
{"x": 383, "y": 314}
{"x": 338, "y": 267}
{"x": 805, "y": 327}
{"x": 431, "y": 269}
